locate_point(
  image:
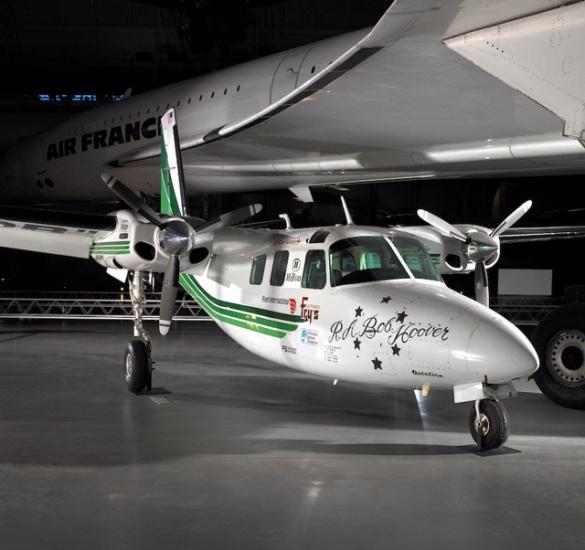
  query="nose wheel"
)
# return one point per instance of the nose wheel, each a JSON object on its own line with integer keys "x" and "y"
{"x": 488, "y": 424}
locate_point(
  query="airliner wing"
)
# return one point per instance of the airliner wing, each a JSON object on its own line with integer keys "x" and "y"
{"x": 62, "y": 233}
{"x": 438, "y": 88}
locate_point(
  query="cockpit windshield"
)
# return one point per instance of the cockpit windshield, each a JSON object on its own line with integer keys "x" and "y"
{"x": 364, "y": 259}
{"x": 416, "y": 257}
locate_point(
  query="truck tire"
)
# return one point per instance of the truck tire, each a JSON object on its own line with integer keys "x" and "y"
{"x": 559, "y": 340}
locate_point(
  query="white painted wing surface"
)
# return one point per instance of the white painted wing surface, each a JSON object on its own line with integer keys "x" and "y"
{"x": 51, "y": 232}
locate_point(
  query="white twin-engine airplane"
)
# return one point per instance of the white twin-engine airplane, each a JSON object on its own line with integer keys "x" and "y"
{"x": 359, "y": 304}
{"x": 437, "y": 89}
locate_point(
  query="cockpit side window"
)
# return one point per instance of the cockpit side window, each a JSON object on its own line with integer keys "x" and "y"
{"x": 416, "y": 257}
{"x": 257, "y": 271}
{"x": 364, "y": 259}
{"x": 279, "y": 268}
{"x": 314, "y": 274}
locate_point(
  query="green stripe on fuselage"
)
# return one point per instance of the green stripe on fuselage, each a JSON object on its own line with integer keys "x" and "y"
{"x": 247, "y": 309}
{"x": 230, "y": 314}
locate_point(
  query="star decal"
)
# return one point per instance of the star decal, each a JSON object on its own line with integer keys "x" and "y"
{"x": 386, "y": 300}
{"x": 377, "y": 364}
{"x": 395, "y": 350}
{"x": 359, "y": 311}
{"x": 401, "y": 316}
{"x": 356, "y": 344}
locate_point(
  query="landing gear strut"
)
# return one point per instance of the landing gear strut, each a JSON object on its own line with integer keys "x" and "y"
{"x": 137, "y": 359}
{"x": 488, "y": 424}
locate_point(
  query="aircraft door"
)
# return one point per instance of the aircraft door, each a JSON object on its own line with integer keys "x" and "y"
{"x": 286, "y": 77}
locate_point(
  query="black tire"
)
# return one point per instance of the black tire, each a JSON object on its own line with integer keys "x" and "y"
{"x": 136, "y": 365}
{"x": 495, "y": 426}
{"x": 559, "y": 341}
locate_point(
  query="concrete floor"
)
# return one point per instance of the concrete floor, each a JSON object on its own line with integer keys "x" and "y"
{"x": 244, "y": 454}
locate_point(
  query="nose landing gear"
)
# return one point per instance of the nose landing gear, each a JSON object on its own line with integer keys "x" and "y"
{"x": 488, "y": 424}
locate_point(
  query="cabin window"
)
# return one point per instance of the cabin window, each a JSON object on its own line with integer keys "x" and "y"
{"x": 201, "y": 97}
{"x": 189, "y": 101}
{"x": 279, "y": 268}
{"x": 313, "y": 68}
{"x": 212, "y": 95}
{"x": 238, "y": 88}
{"x": 225, "y": 92}
{"x": 314, "y": 274}
{"x": 257, "y": 272}
{"x": 416, "y": 257}
{"x": 364, "y": 259}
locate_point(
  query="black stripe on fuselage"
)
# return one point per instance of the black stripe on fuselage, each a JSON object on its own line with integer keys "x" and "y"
{"x": 358, "y": 57}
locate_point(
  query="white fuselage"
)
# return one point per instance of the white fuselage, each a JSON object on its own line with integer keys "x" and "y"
{"x": 404, "y": 333}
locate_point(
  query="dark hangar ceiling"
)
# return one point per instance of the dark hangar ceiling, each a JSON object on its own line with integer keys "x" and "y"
{"x": 105, "y": 47}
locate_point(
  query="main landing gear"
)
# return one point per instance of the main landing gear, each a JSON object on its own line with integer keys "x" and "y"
{"x": 137, "y": 358}
{"x": 488, "y": 424}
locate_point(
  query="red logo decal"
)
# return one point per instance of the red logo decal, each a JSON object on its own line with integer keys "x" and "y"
{"x": 292, "y": 304}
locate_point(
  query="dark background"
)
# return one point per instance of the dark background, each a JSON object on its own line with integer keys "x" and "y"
{"x": 102, "y": 48}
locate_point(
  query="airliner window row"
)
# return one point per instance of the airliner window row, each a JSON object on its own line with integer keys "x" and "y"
{"x": 201, "y": 97}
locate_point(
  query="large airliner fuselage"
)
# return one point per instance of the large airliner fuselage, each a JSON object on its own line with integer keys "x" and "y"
{"x": 65, "y": 162}
{"x": 411, "y": 98}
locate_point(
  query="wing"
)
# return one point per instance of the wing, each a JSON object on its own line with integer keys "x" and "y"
{"x": 62, "y": 233}
{"x": 408, "y": 100}
{"x": 541, "y": 234}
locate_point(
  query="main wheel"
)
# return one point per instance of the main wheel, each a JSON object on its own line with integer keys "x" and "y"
{"x": 491, "y": 429}
{"x": 136, "y": 365}
{"x": 560, "y": 343}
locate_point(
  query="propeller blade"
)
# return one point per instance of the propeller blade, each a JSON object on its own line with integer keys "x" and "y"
{"x": 443, "y": 226}
{"x": 512, "y": 219}
{"x": 482, "y": 290}
{"x": 230, "y": 218}
{"x": 169, "y": 295}
{"x": 132, "y": 199}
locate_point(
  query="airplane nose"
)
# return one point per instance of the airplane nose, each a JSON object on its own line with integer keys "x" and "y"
{"x": 501, "y": 352}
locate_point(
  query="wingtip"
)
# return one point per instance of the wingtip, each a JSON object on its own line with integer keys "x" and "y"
{"x": 164, "y": 328}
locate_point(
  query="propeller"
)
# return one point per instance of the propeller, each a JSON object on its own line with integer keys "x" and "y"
{"x": 176, "y": 238}
{"x": 482, "y": 248}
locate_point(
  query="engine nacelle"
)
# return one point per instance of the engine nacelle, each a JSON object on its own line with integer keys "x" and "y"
{"x": 134, "y": 245}
{"x": 449, "y": 255}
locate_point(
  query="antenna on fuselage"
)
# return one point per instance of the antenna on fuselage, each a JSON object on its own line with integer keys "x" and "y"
{"x": 286, "y": 218}
{"x": 348, "y": 218}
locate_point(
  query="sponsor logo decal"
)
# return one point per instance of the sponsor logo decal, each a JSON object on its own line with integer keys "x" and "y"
{"x": 296, "y": 264}
{"x": 275, "y": 300}
{"x": 430, "y": 374}
{"x": 310, "y": 337}
{"x": 293, "y": 278}
{"x": 309, "y": 312}
{"x": 292, "y": 304}
{"x": 289, "y": 349}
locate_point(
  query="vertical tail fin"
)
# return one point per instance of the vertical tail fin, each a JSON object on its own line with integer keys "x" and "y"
{"x": 172, "y": 193}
